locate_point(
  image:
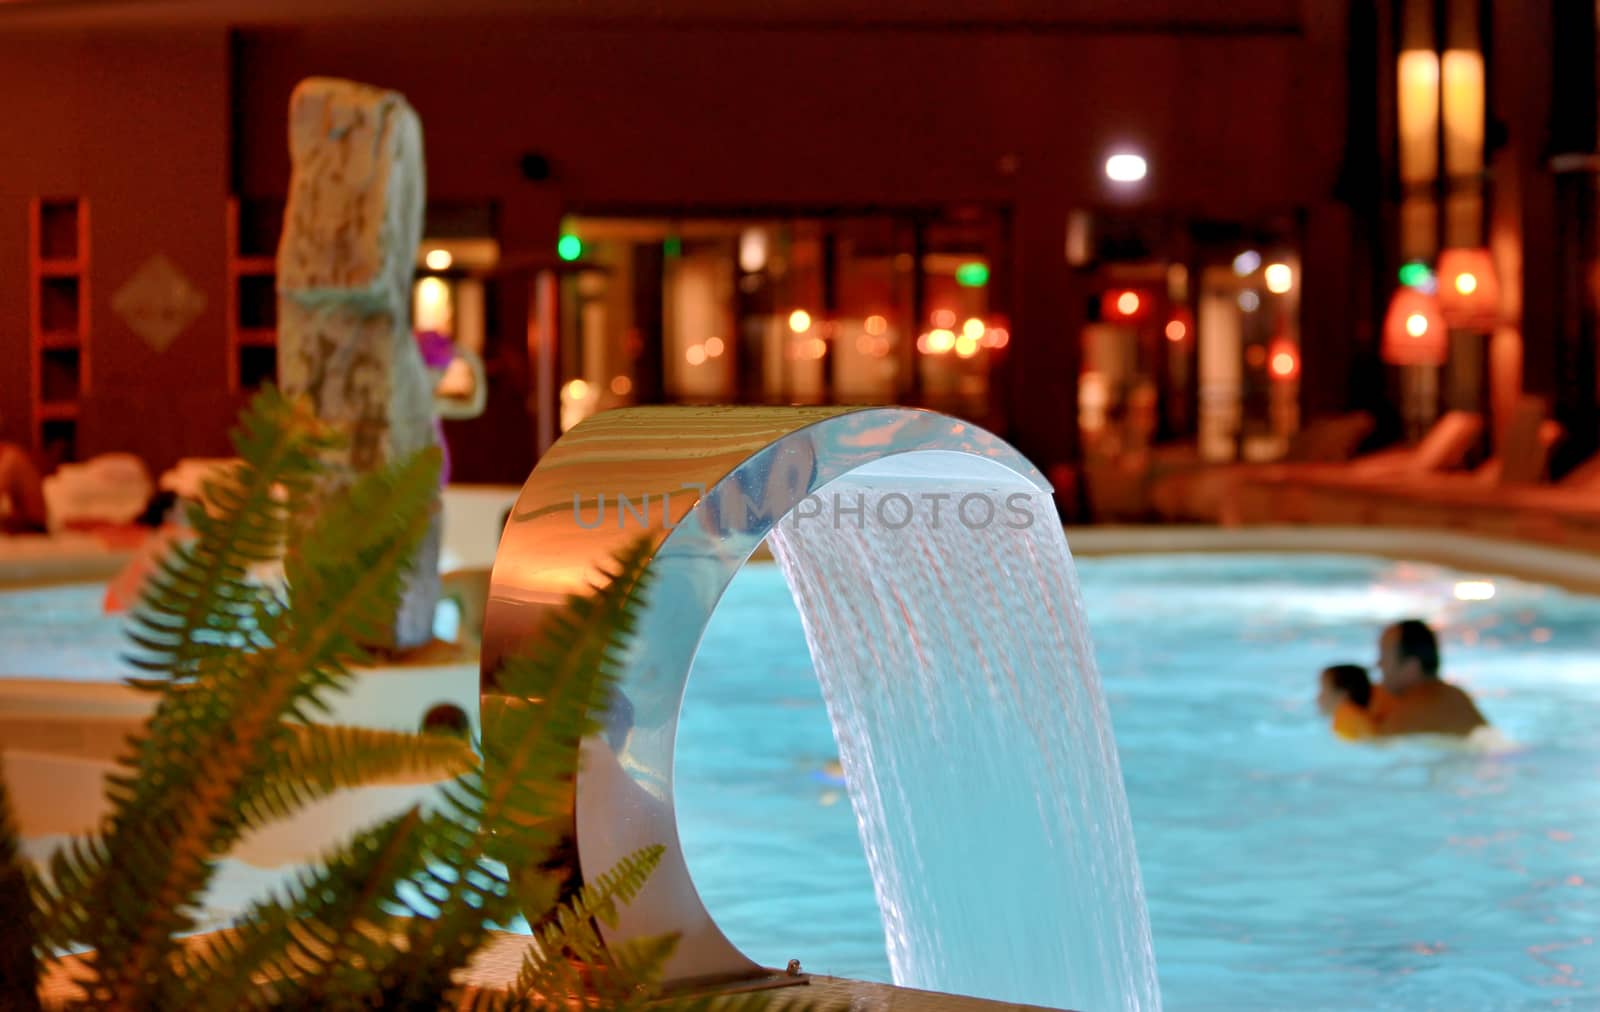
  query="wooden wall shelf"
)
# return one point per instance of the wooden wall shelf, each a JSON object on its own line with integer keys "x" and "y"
{"x": 59, "y": 356}
{"x": 253, "y": 227}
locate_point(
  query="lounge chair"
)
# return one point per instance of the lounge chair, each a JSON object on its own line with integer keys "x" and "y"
{"x": 1300, "y": 493}
{"x": 1198, "y": 493}
{"x": 1566, "y": 512}
{"x": 1438, "y": 500}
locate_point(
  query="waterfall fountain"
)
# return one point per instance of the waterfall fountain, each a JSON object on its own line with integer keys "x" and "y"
{"x": 941, "y": 609}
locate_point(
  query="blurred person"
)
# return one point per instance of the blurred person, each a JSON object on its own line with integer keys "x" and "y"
{"x": 1415, "y": 699}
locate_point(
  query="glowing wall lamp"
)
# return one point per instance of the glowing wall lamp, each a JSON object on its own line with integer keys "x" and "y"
{"x": 1419, "y": 116}
{"x": 1283, "y": 359}
{"x": 1469, "y": 290}
{"x": 1414, "y": 331}
{"x": 1462, "y": 87}
{"x": 1124, "y": 304}
{"x": 1180, "y": 326}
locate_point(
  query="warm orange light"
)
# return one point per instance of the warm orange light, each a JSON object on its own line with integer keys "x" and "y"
{"x": 1469, "y": 290}
{"x": 938, "y": 342}
{"x": 1124, "y": 305}
{"x": 966, "y": 346}
{"x": 973, "y": 328}
{"x": 876, "y": 324}
{"x": 1176, "y": 331}
{"x": 438, "y": 260}
{"x": 1414, "y": 332}
{"x": 944, "y": 319}
{"x": 714, "y": 347}
{"x": 816, "y": 347}
{"x": 695, "y": 354}
{"x": 622, "y": 386}
{"x": 996, "y": 337}
{"x": 575, "y": 390}
{"x": 432, "y": 308}
{"x": 1462, "y": 77}
{"x": 799, "y": 321}
{"x": 1417, "y": 78}
{"x": 1284, "y": 362}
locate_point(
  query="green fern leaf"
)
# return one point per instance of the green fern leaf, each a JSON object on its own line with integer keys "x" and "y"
{"x": 328, "y": 936}
{"x": 570, "y": 936}
{"x": 514, "y": 807}
{"x": 318, "y": 759}
{"x": 209, "y": 744}
{"x": 200, "y": 597}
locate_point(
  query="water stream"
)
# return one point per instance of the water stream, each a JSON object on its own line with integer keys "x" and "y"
{"x": 956, "y": 665}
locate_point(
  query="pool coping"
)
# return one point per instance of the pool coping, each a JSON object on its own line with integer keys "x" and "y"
{"x": 1567, "y": 568}
{"x": 38, "y": 562}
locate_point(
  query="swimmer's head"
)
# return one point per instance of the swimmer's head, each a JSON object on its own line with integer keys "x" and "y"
{"x": 1343, "y": 682}
{"x": 1408, "y": 654}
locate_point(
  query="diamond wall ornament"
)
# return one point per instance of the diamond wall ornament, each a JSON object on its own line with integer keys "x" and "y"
{"x": 158, "y": 303}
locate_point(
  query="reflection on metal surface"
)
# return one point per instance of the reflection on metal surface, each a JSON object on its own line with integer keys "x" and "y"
{"x": 706, "y": 485}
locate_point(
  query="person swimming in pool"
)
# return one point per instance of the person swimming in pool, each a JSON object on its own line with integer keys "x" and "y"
{"x": 1344, "y": 695}
{"x": 1415, "y": 699}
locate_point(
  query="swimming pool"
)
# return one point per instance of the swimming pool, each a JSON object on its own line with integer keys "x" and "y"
{"x": 1282, "y": 867}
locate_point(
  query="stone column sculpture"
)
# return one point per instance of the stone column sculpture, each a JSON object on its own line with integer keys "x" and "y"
{"x": 345, "y": 268}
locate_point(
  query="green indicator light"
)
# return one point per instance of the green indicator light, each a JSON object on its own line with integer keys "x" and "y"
{"x": 972, "y": 275}
{"x": 1415, "y": 274}
{"x": 570, "y": 247}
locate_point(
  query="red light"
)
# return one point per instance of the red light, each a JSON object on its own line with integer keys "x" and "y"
{"x": 1284, "y": 362}
{"x": 1176, "y": 331}
{"x": 1124, "y": 304}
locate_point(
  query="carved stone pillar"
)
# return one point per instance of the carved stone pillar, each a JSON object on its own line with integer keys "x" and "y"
{"x": 345, "y": 267}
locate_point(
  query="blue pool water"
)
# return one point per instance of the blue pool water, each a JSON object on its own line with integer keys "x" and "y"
{"x": 1282, "y": 867}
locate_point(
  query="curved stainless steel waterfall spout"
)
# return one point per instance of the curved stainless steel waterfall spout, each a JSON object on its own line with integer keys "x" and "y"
{"x": 706, "y": 485}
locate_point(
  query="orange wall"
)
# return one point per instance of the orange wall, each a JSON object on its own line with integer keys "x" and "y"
{"x": 1239, "y": 123}
{"x": 137, "y": 123}
{"x": 743, "y": 115}
{"x": 1236, "y": 120}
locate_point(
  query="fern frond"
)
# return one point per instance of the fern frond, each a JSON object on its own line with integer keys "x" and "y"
{"x": 63, "y": 895}
{"x": 319, "y": 759}
{"x": 513, "y": 808}
{"x": 571, "y": 933}
{"x": 19, "y": 965}
{"x": 209, "y": 744}
{"x": 199, "y": 599}
{"x": 613, "y": 978}
{"x": 332, "y": 933}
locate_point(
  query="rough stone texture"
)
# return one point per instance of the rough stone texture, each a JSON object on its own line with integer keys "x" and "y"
{"x": 345, "y": 267}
